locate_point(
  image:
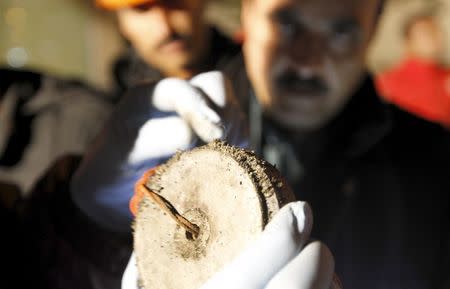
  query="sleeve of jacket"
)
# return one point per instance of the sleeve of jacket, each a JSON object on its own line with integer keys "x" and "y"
{"x": 141, "y": 135}
{"x": 103, "y": 184}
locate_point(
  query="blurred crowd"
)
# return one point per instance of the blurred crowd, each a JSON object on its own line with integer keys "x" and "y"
{"x": 370, "y": 152}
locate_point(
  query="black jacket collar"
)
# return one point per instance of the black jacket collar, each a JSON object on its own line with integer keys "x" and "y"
{"x": 364, "y": 122}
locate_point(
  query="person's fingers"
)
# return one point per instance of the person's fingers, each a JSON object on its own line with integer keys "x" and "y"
{"x": 311, "y": 269}
{"x": 205, "y": 122}
{"x": 149, "y": 145}
{"x": 213, "y": 84}
{"x": 280, "y": 242}
{"x": 203, "y": 127}
{"x": 170, "y": 90}
{"x": 189, "y": 102}
{"x": 208, "y": 113}
{"x": 130, "y": 276}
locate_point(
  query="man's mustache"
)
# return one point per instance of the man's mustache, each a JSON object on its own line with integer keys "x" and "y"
{"x": 292, "y": 80}
{"x": 173, "y": 37}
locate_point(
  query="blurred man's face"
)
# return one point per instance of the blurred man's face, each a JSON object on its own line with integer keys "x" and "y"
{"x": 425, "y": 40}
{"x": 305, "y": 58}
{"x": 169, "y": 35}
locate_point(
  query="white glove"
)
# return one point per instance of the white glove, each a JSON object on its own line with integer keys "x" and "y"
{"x": 279, "y": 259}
{"x": 189, "y": 100}
{"x": 205, "y": 104}
{"x": 149, "y": 126}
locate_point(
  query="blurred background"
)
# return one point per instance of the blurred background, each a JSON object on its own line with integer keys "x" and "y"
{"x": 386, "y": 48}
{"x": 72, "y": 38}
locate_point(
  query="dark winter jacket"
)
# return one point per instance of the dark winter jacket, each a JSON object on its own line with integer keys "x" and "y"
{"x": 378, "y": 180}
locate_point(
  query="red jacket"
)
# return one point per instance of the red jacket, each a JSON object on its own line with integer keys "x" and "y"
{"x": 419, "y": 87}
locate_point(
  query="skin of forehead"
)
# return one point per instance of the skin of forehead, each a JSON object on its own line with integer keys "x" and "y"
{"x": 320, "y": 9}
{"x": 180, "y": 4}
{"x": 321, "y": 15}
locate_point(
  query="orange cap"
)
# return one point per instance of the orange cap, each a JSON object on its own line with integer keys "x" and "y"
{"x": 117, "y": 4}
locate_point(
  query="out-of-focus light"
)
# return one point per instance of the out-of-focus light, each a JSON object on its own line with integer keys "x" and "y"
{"x": 17, "y": 57}
{"x": 15, "y": 16}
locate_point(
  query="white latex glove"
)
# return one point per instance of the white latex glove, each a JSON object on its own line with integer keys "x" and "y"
{"x": 279, "y": 259}
{"x": 151, "y": 124}
{"x": 190, "y": 102}
{"x": 205, "y": 104}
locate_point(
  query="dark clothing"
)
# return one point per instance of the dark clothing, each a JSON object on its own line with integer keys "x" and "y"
{"x": 65, "y": 249}
{"x": 28, "y": 83}
{"x": 41, "y": 119}
{"x": 378, "y": 180}
{"x": 129, "y": 69}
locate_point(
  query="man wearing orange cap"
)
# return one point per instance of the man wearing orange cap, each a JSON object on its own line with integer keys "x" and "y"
{"x": 168, "y": 38}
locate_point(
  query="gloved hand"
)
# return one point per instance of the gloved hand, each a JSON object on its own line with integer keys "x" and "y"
{"x": 191, "y": 102}
{"x": 150, "y": 124}
{"x": 279, "y": 259}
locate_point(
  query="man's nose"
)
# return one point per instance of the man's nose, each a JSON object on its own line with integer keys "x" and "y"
{"x": 308, "y": 50}
{"x": 161, "y": 21}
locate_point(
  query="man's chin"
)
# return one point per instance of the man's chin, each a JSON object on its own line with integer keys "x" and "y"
{"x": 177, "y": 60}
{"x": 302, "y": 124}
{"x": 181, "y": 65}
